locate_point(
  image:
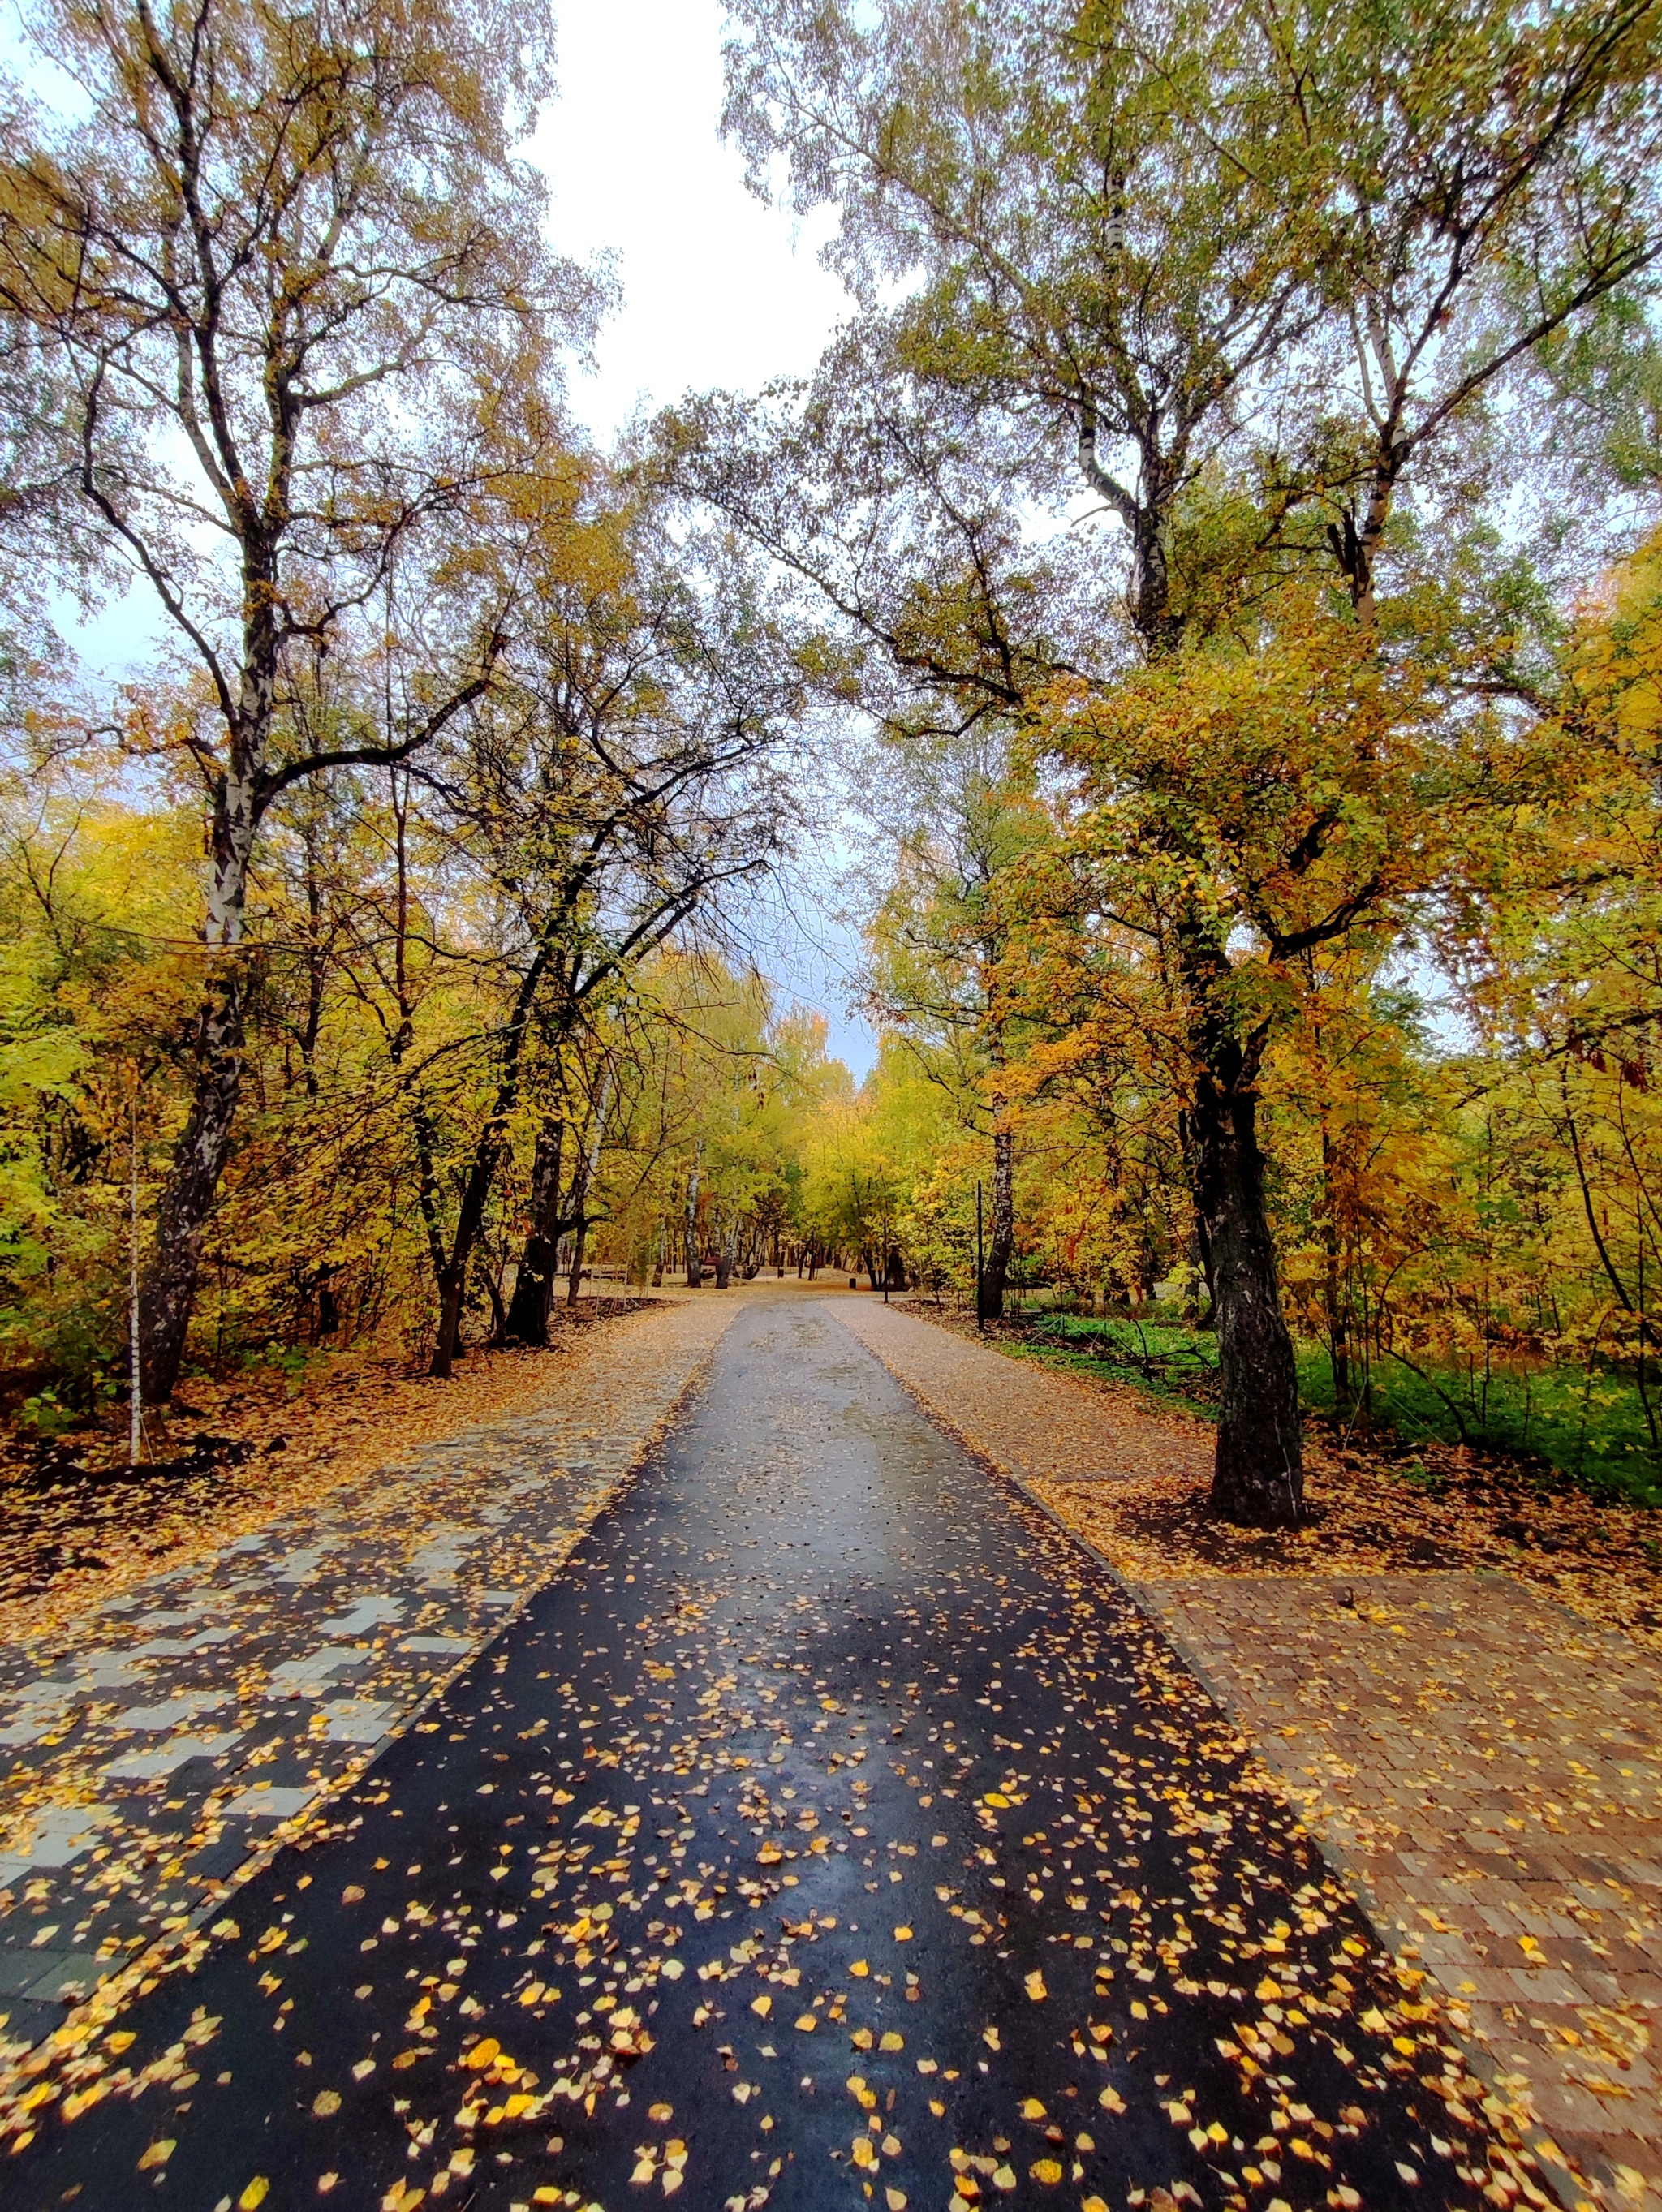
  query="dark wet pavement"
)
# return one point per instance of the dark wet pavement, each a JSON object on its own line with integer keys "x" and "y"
{"x": 832, "y": 1831}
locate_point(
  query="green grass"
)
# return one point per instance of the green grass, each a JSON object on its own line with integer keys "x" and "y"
{"x": 1595, "y": 1432}
{"x": 1161, "y": 1358}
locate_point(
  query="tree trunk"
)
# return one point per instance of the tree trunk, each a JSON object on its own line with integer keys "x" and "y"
{"x": 167, "y": 1291}
{"x": 534, "y": 1285}
{"x": 695, "y": 1268}
{"x": 1333, "y": 1289}
{"x": 1258, "y": 1473}
{"x": 1001, "y": 1242}
{"x": 481, "y": 1175}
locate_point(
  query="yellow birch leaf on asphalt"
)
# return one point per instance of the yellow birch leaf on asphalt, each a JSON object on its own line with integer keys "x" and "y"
{"x": 997, "y": 1798}
{"x": 661, "y": 2113}
{"x": 902, "y": 1935}
{"x": 352, "y": 1893}
{"x": 254, "y": 2195}
{"x": 122, "y": 2040}
{"x": 1045, "y": 2170}
{"x": 1111, "y": 2101}
{"x": 860, "y": 1967}
{"x": 896, "y": 2199}
{"x": 481, "y": 2054}
{"x": 1004, "y": 2177}
{"x": 862, "y": 2038}
{"x": 864, "y": 2156}
{"x": 326, "y": 2103}
{"x": 158, "y": 2154}
{"x": 1031, "y": 2109}
{"x": 990, "y": 2037}
{"x": 807, "y": 2023}
{"x": 1094, "y": 2204}
{"x": 1375, "y": 2021}
{"x": 671, "y": 2180}
{"x": 1034, "y": 1985}
{"x": 891, "y": 2041}
{"x": 761, "y": 2006}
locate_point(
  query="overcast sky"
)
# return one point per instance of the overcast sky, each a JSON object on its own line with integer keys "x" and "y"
{"x": 717, "y": 290}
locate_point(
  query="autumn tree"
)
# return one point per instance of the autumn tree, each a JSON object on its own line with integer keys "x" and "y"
{"x": 1133, "y": 255}
{"x": 622, "y": 783}
{"x": 286, "y": 277}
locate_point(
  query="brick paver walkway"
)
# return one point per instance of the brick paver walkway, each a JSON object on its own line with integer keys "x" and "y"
{"x": 1486, "y": 1766}
{"x": 150, "y": 1757}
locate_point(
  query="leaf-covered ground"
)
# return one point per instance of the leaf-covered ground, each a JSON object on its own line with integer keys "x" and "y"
{"x": 78, "y": 1526}
{"x": 1375, "y": 1507}
{"x": 831, "y": 1832}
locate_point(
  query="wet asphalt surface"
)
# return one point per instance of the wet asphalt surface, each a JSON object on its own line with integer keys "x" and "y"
{"x": 830, "y": 1831}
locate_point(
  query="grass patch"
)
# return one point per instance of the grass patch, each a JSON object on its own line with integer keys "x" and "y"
{"x": 1592, "y": 1429}
{"x": 1176, "y": 1366}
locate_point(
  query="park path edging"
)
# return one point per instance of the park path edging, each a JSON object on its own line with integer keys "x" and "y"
{"x": 1254, "y": 1668}
{"x": 194, "y": 1726}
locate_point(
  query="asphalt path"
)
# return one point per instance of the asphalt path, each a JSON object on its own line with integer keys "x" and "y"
{"x": 830, "y": 1831}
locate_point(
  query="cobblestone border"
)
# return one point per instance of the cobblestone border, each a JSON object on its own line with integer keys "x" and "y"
{"x": 1570, "y": 2187}
{"x": 139, "y": 1851}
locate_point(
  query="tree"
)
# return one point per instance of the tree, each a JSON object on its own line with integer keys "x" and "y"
{"x": 287, "y": 278}
{"x": 957, "y": 816}
{"x": 621, "y": 782}
{"x": 1136, "y": 251}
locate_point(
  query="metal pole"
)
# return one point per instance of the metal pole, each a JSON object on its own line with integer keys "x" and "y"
{"x": 136, "y": 1422}
{"x": 980, "y": 1266}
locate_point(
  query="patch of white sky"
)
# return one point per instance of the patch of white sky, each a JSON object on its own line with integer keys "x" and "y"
{"x": 717, "y": 290}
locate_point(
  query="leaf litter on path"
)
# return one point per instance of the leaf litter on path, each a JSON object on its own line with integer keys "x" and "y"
{"x": 811, "y": 1663}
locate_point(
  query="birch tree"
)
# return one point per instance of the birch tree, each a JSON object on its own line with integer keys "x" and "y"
{"x": 286, "y": 273}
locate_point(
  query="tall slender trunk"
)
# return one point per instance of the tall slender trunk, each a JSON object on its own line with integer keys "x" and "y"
{"x": 1001, "y": 1240}
{"x": 167, "y": 1288}
{"x": 695, "y": 1258}
{"x": 481, "y": 1177}
{"x": 1335, "y": 1301}
{"x": 585, "y": 1177}
{"x": 1258, "y": 1472}
{"x": 534, "y": 1285}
